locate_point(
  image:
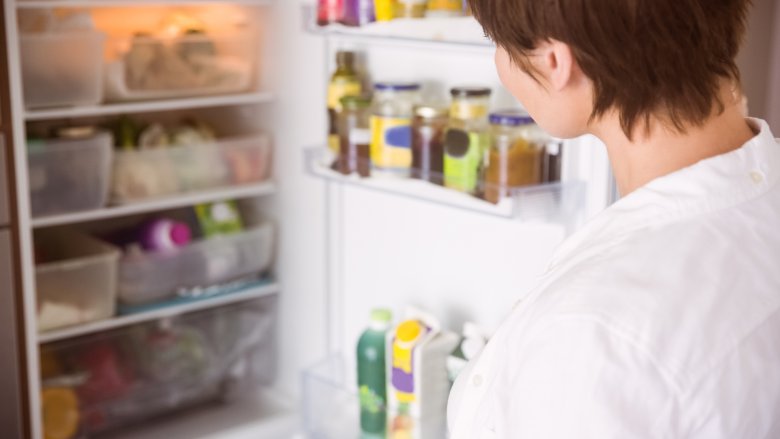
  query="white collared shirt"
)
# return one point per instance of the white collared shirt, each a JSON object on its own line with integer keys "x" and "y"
{"x": 659, "y": 319}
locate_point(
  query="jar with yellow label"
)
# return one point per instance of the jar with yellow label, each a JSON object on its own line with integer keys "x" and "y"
{"x": 516, "y": 152}
{"x": 466, "y": 140}
{"x": 391, "y": 118}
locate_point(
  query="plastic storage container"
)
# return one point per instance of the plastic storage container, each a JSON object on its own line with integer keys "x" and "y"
{"x": 78, "y": 280}
{"x": 150, "y": 67}
{"x": 151, "y": 277}
{"x": 69, "y": 175}
{"x": 129, "y": 375}
{"x": 62, "y": 68}
{"x": 142, "y": 174}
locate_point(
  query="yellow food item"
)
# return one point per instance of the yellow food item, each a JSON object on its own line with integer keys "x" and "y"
{"x": 60, "y": 413}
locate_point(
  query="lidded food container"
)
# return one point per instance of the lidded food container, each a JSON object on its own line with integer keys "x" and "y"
{"x": 515, "y": 155}
{"x": 428, "y": 127}
{"x": 391, "y": 119}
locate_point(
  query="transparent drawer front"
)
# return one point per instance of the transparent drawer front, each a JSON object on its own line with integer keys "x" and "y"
{"x": 77, "y": 283}
{"x": 154, "y": 277}
{"x": 110, "y": 380}
{"x": 331, "y": 408}
{"x": 69, "y": 175}
{"x": 143, "y": 174}
{"x": 148, "y": 67}
{"x": 62, "y": 69}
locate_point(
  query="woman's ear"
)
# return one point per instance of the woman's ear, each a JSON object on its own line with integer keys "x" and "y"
{"x": 556, "y": 62}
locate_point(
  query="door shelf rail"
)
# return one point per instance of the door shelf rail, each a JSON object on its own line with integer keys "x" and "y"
{"x": 458, "y": 32}
{"x": 560, "y": 202}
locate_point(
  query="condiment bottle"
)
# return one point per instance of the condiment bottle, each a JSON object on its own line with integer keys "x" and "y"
{"x": 410, "y": 8}
{"x": 328, "y": 11}
{"x": 428, "y": 126}
{"x": 444, "y": 8}
{"x": 358, "y": 12}
{"x": 391, "y": 119}
{"x": 344, "y": 82}
{"x": 354, "y": 136}
{"x": 516, "y": 153}
{"x": 466, "y": 140}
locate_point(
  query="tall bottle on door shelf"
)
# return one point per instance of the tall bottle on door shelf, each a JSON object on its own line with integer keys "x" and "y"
{"x": 344, "y": 82}
{"x": 329, "y": 11}
{"x": 372, "y": 374}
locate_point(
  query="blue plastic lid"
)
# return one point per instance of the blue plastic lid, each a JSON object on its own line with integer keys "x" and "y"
{"x": 511, "y": 118}
{"x": 396, "y": 86}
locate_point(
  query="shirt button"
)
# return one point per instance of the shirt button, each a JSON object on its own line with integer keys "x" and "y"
{"x": 757, "y": 177}
{"x": 477, "y": 380}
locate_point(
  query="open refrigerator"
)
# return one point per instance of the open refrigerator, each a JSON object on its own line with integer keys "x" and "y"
{"x": 267, "y": 349}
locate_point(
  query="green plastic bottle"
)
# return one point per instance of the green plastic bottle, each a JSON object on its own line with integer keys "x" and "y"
{"x": 371, "y": 375}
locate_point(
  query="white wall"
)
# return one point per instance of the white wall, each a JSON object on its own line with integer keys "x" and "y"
{"x": 755, "y": 57}
{"x": 773, "y": 111}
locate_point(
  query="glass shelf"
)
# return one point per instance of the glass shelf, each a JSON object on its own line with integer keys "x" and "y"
{"x": 457, "y": 31}
{"x": 560, "y": 202}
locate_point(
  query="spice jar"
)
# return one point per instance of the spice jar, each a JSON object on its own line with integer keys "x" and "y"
{"x": 444, "y": 8}
{"x": 516, "y": 153}
{"x": 354, "y": 136}
{"x": 428, "y": 127}
{"x": 410, "y": 8}
{"x": 466, "y": 139}
{"x": 391, "y": 118}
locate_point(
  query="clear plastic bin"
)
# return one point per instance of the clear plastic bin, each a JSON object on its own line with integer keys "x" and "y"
{"x": 69, "y": 175}
{"x": 149, "y": 67}
{"x": 62, "y": 68}
{"x": 78, "y": 282}
{"x": 143, "y": 174}
{"x": 152, "y": 277}
{"x": 136, "y": 373}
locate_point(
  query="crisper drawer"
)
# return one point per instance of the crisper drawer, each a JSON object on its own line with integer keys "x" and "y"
{"x": 147, "y": 173}
{"x": 77, "y": 281}
{"x": 61, "y": 69}
{"x": 151, "y": 277}
{"x": 146, "y": 67}
{"x": 110, "y": 380}
{"x": 69, "y": 175}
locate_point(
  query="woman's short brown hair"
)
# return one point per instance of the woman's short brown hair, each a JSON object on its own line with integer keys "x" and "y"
{"x": 663, "y": 58}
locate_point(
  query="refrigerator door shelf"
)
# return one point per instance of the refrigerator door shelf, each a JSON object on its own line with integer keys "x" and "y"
{"x": 460, "y": 32}
{"x": 560, "y": 202}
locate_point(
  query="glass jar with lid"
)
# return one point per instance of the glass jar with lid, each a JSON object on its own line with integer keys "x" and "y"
{"x": 516, "y": 153}
{"x": 354, "y": 136}
{"x": 428, "y": 127}
{"x": 410, "y": 8}
{"x": 391, "y": 118}
{"x": 466, "y": 139}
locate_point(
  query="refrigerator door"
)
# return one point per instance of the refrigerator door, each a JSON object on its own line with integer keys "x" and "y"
{"x": 11, "y": 415}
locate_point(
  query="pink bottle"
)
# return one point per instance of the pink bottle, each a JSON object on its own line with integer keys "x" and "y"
{"x": 164, "y": 234}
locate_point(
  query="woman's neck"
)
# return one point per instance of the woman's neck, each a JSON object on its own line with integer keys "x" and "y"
{"x": 662, "y": 151}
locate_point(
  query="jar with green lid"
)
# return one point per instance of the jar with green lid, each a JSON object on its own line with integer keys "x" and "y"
{"x": 428, "y": 127}
{"x": 354, "y": 154}
{"x": 391, "y": 118}
{"x": 466, "y": 140}
{"x": 516, "y": 153}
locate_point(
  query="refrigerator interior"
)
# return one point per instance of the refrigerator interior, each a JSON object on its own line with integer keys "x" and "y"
{"x": 340, "y": 248}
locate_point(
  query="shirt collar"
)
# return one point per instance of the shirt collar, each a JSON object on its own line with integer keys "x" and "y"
{"x": 711, "y": 184}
